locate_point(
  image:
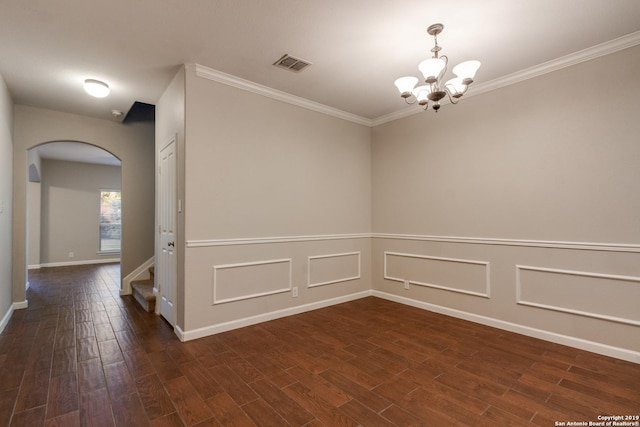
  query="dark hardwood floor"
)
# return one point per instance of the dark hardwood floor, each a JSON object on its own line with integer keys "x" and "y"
{"x": 83, "y": 355}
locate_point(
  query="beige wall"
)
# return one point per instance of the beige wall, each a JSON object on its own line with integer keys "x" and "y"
{"x": 255, "y": 169}
{"x": 34, "y": 208}
{"x": 6, "y": 179}
{"x": 512, "y": 187}
{"x": 266, "y": 168}
{"x": 131, "y": 143}
{"x": 516, "y": 208}
{"x": 544, "y": 159}
{"x": 70, "y": 210}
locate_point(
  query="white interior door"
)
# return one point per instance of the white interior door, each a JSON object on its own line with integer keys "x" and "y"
{"x": 167, "y": 224}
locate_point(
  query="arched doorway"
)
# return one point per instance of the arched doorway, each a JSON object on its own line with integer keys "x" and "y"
{"x": 73, "y": 205}
{"x": 132, "y": 143}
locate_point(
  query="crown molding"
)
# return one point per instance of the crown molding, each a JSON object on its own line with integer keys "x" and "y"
{"x": 239, "y": 83}
{"x": 587, "y": 54}
{"x": 584, "y": 55}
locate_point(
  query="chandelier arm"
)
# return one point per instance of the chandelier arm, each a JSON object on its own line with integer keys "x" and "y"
{"x": 452, "y": 99}
{"x": 411, "y": 103}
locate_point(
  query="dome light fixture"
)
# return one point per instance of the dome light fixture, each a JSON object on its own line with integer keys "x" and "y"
{"x": 433, "y": 70}
{"x": 96, "y": 88}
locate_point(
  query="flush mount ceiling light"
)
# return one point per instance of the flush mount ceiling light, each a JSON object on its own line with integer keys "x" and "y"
{"x": 433, "y": 70}
{"x": 96, "y": 88}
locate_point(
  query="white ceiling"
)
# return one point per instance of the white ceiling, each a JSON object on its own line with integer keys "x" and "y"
{"x": 357, "y": 47}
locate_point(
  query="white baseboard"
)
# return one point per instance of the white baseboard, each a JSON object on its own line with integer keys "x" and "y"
{"x": 7, "y": 316}
{"x": 247, "y": 321}
{"x": 604, "y": 349}
{"x": 156, "y": 293}
{"x": 182, "y": 335}
{"x": 20, "y": 305}
{"x": 85, "y": 262}
{"x": 595, "y": 347}
{"x": 141, "y": 272}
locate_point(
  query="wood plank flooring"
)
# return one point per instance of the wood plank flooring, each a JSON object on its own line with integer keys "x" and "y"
{"x": 83, "y": 355}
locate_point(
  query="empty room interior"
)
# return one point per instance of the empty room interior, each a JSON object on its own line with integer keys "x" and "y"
{"x": 249, "y": 223}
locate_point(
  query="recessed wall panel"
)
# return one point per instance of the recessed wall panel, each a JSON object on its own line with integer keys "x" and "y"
{"x": 333, "y": 268}
{"x": 602, "y": 296}
{"x": 451, "y": 274}
{"x": 235, "y": 282}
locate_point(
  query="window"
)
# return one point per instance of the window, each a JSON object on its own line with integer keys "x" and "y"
{"x": 110, "y": 221}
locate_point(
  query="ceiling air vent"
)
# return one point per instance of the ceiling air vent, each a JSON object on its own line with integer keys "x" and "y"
{"x": 290, "y": 63}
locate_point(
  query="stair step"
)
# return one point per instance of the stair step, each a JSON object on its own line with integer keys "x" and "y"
{"x": 143, "y": 293}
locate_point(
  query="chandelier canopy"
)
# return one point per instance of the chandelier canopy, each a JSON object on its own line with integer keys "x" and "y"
{"x": 433, "y": 69}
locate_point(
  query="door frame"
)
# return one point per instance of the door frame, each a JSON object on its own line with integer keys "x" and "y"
{"x": 157, "y": 289}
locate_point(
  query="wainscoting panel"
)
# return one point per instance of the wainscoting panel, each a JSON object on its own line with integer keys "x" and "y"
{"x": 235, "y": 282}
{"x": 333, "y": 268}
{"x": 601, "y": 296}
{"x": 457, "y": 275}
{"x": 583, "y": 295}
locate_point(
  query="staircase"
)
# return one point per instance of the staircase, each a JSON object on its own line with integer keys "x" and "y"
{"x": 143, "y": 292}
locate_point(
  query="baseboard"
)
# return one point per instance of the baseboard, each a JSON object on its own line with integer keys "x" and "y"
{"x": 247, "y": 321}
{"x": 7, "y": 316}
{"x": 182, "y": 334}
{"x": 594, "y": 347}
{"x": 156, "y": 293}
{"x": 20, "y": 305}
{"x": 141, "y": 272}
{"x": 85, "y": 262}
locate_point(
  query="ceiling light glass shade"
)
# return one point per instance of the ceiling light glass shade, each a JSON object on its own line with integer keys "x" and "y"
{"x": 431, "y": 69}
{"x": 422, "y": 94}
{"x": 466, "y": 70}
{"x": 96, "y": 88}
{"x": 405, "y": 85}
{"x": 456, "y": 87}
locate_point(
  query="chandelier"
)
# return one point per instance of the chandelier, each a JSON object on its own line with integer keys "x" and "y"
{"x": 433, "y": 69}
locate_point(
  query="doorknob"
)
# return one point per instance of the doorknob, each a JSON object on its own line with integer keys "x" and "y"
{"x": 171, "y": 244}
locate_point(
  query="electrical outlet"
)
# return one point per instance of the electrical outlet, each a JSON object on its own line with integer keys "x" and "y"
{"x": 406, "y": 284}
{"x": 71, "y": 254}
{"x": 294, "y": 292}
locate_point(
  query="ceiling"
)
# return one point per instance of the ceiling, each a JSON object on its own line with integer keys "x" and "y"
{"x": 357, "y": 47}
